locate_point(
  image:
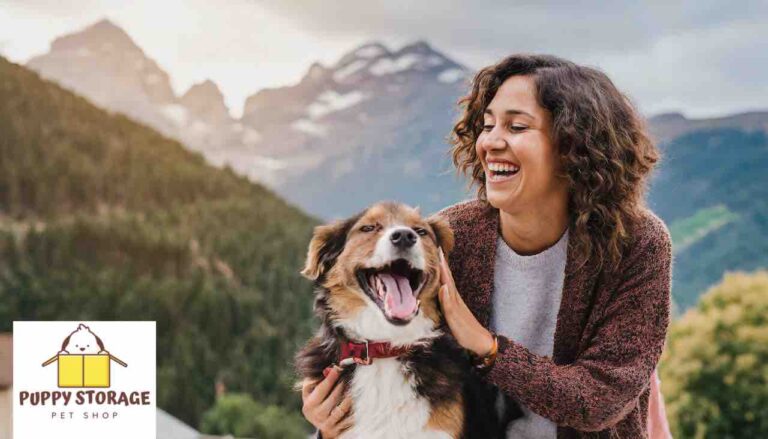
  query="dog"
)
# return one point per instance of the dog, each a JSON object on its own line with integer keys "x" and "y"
{"x": 82, "y": 341}
{"x": 376, "y": 278}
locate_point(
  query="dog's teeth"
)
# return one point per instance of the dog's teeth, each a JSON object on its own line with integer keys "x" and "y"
{"x": 379, "y": 287}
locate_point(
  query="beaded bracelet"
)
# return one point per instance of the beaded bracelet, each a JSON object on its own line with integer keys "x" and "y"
{"x": 485, "y": 362}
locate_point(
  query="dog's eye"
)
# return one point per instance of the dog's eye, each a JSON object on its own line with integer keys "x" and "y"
{"x": 367, "y": 228}
{"x": 421, "y": 231}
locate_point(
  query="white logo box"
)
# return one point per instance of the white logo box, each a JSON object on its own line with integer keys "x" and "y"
{"x": 109, "y": 393}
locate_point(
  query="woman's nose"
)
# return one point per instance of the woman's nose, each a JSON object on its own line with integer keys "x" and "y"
{"x": 493, "y": 141}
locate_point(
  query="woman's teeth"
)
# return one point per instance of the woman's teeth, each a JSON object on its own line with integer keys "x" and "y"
{"x": 502, "y": 171}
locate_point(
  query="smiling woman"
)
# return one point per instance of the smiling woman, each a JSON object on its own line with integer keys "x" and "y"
{"x": 560, "y": 278}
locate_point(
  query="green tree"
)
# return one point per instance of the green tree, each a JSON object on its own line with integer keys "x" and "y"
{"x": 239, "y": 415}
{"x": 714, "y": 370}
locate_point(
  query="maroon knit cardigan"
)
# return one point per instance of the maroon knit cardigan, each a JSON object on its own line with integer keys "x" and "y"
{"x": 609, "y": 335}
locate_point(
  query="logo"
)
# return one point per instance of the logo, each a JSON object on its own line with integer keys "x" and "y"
{"x": 72, "y": 379}
{"x": 83, "y": 361}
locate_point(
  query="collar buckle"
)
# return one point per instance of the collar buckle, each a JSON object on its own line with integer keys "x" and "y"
{"x": 367, "y": 360}
{"x": 351, "y": 352}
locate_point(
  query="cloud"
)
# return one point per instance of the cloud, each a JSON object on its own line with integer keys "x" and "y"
{"x": 552, "y": 26}
{"x": 700, "y": 57}
{"x": 703, "y": 72}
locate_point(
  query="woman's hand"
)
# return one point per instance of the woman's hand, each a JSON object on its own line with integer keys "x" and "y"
{"x": 323, "y": 406}
{"x": 469, "y": 333}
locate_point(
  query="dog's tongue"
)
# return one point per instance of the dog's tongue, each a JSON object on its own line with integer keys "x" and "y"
{"x": 399, "y": 296}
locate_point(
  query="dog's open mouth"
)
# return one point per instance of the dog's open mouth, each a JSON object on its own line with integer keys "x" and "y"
{"x": 395, "y": 288}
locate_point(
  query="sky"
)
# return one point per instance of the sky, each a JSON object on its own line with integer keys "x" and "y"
{"x": 703, "y": 58}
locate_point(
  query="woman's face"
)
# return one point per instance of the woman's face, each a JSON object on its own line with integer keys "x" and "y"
{"x": 520, "y": 161}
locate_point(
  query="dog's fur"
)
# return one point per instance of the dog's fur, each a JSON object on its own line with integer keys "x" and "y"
{"x": 430, "y": 392}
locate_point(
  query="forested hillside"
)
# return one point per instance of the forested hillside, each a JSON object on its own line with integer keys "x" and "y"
{"x": 712, "y": 191}
{"x": 104, "y": 219}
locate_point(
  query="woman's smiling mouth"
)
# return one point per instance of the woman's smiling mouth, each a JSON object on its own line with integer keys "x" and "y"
{"x": 500, "y": 171}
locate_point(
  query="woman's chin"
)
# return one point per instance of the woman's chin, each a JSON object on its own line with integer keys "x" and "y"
{"x": 498, "y": 199}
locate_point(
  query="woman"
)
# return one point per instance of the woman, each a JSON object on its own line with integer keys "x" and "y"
{"x": 557, "y": 257}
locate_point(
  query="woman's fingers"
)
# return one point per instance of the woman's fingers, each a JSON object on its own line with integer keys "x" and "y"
{"x": 338, "y": 412}
{"x": 346, "y": 404}
{"x": 321, "y": 391}
{"x": 333, "y": 400}
{"x": 340, "y": 418}
{"x": 445, "y": 299}
{"x": 314, "y": 397}
{"x": 446, "y": 277}
{"x": 307, "y": 386}
{"x": 469, "y": 333}
{"x": 345, "y": 424}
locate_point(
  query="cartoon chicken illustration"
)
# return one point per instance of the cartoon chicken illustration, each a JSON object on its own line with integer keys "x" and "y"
{"x": 83, "y": 361}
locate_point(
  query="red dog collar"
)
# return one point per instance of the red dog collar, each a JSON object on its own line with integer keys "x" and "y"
{"x": 365, "y": 352}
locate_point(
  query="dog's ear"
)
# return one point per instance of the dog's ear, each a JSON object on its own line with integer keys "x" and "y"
{"x": 443, "y": 232}
{"x": 99, "y": 342}
{"x": 326, "y": 245}
{"x": 65, "y": 342}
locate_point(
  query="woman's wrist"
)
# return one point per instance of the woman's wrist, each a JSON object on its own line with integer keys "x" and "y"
{"x": 485, "y": 347}
{"x": 486, "y": 360}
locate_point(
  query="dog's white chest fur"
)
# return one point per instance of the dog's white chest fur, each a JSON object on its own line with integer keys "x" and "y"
{"x": 386, "y": 405}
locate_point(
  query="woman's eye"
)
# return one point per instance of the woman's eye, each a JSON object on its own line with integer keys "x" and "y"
{"x": 518, "y": 127}
{"x": 367, "y": 228}
{"x": 420, "y": 231}
{"x": 487, "y": 127}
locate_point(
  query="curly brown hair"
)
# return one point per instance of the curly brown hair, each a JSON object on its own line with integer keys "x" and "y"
{"x": 602, "y": 140}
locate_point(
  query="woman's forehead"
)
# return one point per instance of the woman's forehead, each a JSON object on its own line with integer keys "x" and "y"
{"x": 516, "y": 95}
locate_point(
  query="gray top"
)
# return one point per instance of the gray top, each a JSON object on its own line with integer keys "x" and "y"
{"x": 526, "y": 299}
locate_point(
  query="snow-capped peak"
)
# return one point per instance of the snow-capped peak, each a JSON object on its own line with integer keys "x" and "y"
{"x": 420, "y": 47}
{"x": 367, "y": 51}
{"x": 376, "y": 60}
{"x": 371, "y": 50}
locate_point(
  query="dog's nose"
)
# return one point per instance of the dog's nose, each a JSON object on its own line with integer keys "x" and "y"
{"x": 82, "y": 349}
{"x": 403, "y": 238}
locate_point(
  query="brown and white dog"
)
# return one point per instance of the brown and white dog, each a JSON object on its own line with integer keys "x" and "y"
{"x": 377, "y": 278}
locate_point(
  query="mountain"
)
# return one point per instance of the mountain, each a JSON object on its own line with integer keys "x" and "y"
{"x": 712, "y": 191}
{"x": 372, "y": 126}
{"x": 668, "y": 126}
{"x": 205, "y": 102}
{"x": 103, "y": 64}
{"x": 102, "y": 218}
{"x": 356, "y": 123}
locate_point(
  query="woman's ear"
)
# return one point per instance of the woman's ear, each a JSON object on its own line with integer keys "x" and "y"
{"x": 443, "y": 232}
{"x": 326, "y": 245}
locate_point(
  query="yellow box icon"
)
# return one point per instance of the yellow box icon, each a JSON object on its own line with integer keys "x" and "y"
{"x": 84, "y": 370}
